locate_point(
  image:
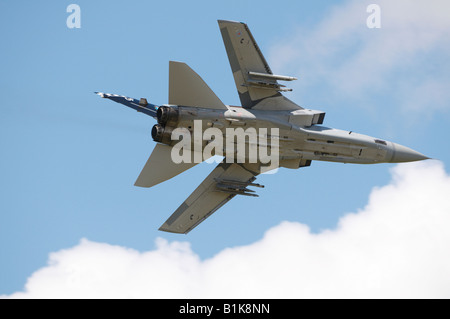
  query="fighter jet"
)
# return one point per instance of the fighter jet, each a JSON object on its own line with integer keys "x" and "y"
{"x": 296, "y": 133}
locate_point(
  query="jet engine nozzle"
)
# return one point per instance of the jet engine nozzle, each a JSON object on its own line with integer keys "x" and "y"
{"x": 167, "y": 115}
{"x": 162, "y": 134}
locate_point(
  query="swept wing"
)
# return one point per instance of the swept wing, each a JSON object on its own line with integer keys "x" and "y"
{"x": 257, "y": 86}
{"x": 225, "y": 182}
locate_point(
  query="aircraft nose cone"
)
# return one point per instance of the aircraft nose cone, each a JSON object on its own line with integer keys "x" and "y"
{"x": 405, "y": 154}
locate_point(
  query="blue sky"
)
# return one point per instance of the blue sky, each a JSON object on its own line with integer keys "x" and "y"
{"x": 69, "y": 159}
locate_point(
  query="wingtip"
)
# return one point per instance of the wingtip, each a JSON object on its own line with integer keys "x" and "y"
{"x": 229, "y": 21}
{"x": 162, "y": 228}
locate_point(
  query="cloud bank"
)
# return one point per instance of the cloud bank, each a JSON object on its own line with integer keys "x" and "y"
{"x": 397, "y": 246}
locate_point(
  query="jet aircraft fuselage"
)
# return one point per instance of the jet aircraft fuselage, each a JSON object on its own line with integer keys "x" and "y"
{"x": 300, "y": 136}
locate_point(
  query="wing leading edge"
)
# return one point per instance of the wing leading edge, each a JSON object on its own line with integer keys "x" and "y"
{"x": 222, "y": 184}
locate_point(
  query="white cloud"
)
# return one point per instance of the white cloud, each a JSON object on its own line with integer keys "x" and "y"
{"x": 406, "y": 59}
{"x": 395, "y": 247}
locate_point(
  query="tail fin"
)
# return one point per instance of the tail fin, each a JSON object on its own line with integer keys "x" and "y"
{"x": 187, "y": 88}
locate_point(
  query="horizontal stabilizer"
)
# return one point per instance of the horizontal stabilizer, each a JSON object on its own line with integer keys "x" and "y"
{"x": 187, "y": 88}
{"x": 160, "y": 167}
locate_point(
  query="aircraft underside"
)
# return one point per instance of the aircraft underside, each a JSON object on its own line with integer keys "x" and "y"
{"x": 266, "y": 132}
